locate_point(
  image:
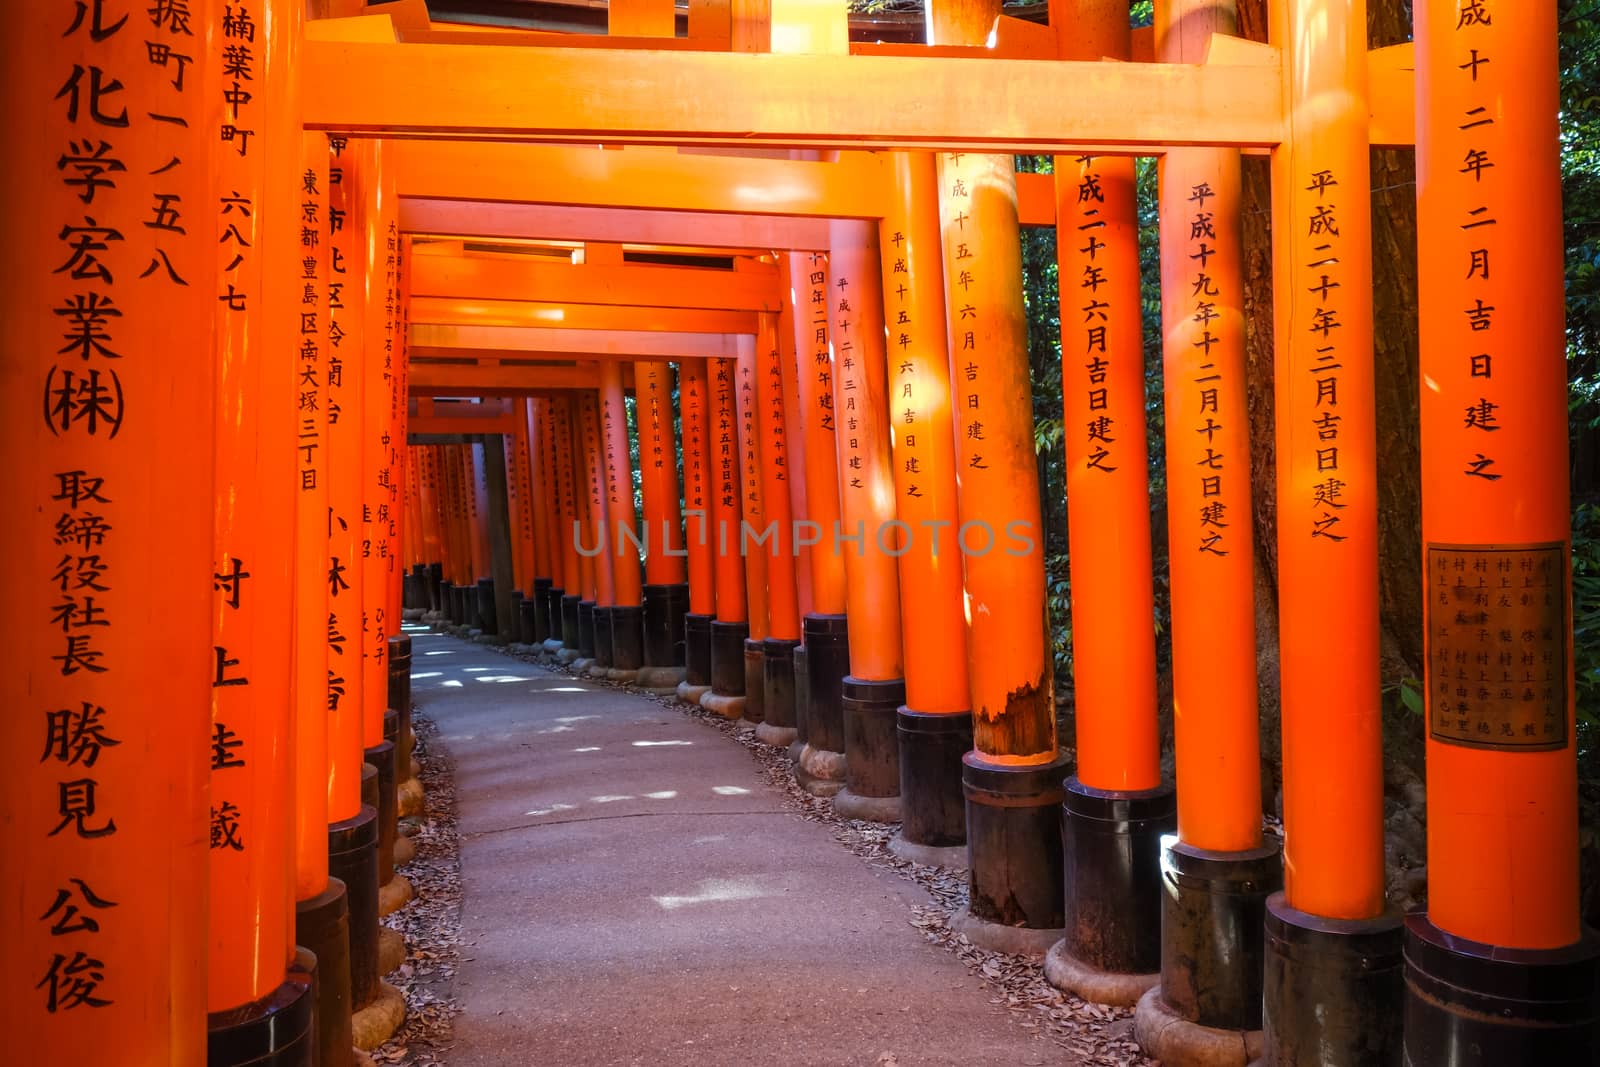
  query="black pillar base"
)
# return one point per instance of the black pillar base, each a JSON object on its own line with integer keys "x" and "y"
{"x": 400, "y": 700}
{"x": 697, "y": 649}
{"x": 571, "y": 621}
{"x": 603, "y": 635}
{"x": 466, "y": 598}
{"x": 488, "y": 617}
{"x": 382, "y": 756}
{"x": 665, "y": 607}
{"x": 408, "y": 589}
{"x": 322, "y": 924}
{"x": 516, "y": 633}
{"x": 435, "y": 577}
{"x": 586, "y": 648}
{"x": 540, "y": 607}
{"x": 932, "y": 808}
{"x": 871, "y": 745}
{"x": 827, "y": 662}
{"x": 527, "y": 618}
{"x": 802, "y": 699}
{"x": 353, "y": 859}
{"x": 777, "y": 682}
{"x": 447, "y": 601}
{"x": 1213, "y": 923}
{"x": 275, "y": 1031}
{"x": 1331, "y": 988}
{"x": 727, "y": 657}
{"x": 755, "y": 685}
{"x": 1014, "y": 842}
{"x": 627, "y": 637}
{"x": 1111, "y": 865}
{"x": 1469, "y": 1004}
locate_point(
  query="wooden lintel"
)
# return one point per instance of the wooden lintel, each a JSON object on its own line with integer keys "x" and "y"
{"x": 537, "y": 343}
{"x": 630, "y": 285}
{"x": 455, "y": 311}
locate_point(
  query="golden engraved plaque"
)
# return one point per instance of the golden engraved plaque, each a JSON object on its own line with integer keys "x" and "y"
{"x": 1499, "y": 618}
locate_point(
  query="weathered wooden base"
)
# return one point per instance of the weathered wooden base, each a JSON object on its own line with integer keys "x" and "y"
{"x": 933, "y": 809}
{"x": 322, "y": 925}
{"x": 665, "y": 608}
{"x": 755, "y": 686}
{"x": 275, "y": 1031}
{"x": 827, "y": 661}
{"x": 571, "y": 631}
{"x": 538, "y": 607}
{"x": 871, "y": 748}
{"x": 697, "y": 649}
{"x": 1468, "y": 1004}
{"x": 488, "y": 618}
{"x": 1014, "y": 843}
{"x": 777, "y": 686}
{"x": 627, "y": 637}
{"x": 604, "y": 643}
{"x": 353, "y": 859}
{"x": 727, "y": 657}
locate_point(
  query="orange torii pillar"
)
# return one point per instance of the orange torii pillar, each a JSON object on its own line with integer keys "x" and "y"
{"x": 458, "y": 561}
{"x": 783, "y": 607}
{"x": 536, "y": 610}
{"x": 622, "y": 541}
{"x": 563, "y": 431}
{"x": 480, "y": 601}
{"x": 108, "y": 483}
{"x": 519, "y": 516}
{"x": 1333, "y": 963}
{"x": 1499, "y": 969}
{"x": 730, "y": 628}
{"x": 755, "y": 533}
{"x": 428, "y": 506}
{"x": 398, "y": 660}
{"x": 352, "y": 805}
{"x": 253, "y": 1012}
{"x": 375, "y": 205}
{"x": 322, "y": 905}
{"x": 874, "y": 690}
{"x": 790, "y": 326}
{"x": 552, "y": 420}
{"x": 444, "y": 480}
{"x": 1117, "y": 807}
{"x": 934, "y": 725}
{"x": 1217, "y": 871}
{"x": 599, "y": 585}
{"x": 414, "y": 573}
{"x": 666, "y": 587}
{"x": 823, "y": 659}
{"x": 699, "y": 491}
{"x": 1012, "y": 777}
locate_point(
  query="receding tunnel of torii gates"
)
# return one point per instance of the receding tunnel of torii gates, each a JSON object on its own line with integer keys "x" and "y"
{"x": 796, "y": 533}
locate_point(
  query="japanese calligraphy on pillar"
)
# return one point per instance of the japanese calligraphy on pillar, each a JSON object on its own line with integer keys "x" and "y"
{"x": 750, "y": 449}
{"x": 1324, "y": 280}
{"x": 344, "y": 401}
{"x": 727, "y": 454}
{"x": 121, "y": 194}
{"x": 849, "y": 395}
{"x": 1498, "y": 645}
{"x": 311, "y": 405}
{"x": 613, "y": 415}
{"x": 964, "y": 269}
{"x": 909, "y": 427}
{"x": 696, "y": 493}
{"x": 1093, "y": 276}
{"x": 1204, "y": 371}
{"x": 821, "y": 349}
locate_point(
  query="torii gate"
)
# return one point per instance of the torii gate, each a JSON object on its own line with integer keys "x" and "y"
{"x": 1503, "y": 916}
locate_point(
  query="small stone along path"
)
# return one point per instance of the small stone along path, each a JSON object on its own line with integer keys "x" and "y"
{"x": 606, "y": 877}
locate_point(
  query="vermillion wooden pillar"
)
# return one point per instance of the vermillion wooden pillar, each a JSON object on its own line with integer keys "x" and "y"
{"x": 699, "y": 493}
{"x": 600, "y": 588}
{"x": 375, "y": 206}
{"x": 1012, "y": 778}
{"x": 451, "y": 519}
{"x": 622, "y": 528}
{"x": 429, "y": 505}
{"x": 934, "y": 725}
{"x": 823, "y": 659}
{"x": 756, "y": 532}
{"x": 251, "y": 944}
{"x": 783, "y": 608}
{"x": 1501, "y": 940}
{"x": 1217, "y": 870}
{"x": 541, "y": 501}
{"x": 108, "y": 480}
{"x": 520, "y": 515}
{"x": 396, "y": 300}
{"x": 352, "y": 811}
{"x": 321, "y": 902}
{"x": 502, "y": 553}
{"x": 481, "y": 609}
{"x": 1333, "y": 966}
{"x": 1116, "y": 804}
{"x": 730, "y": 628}
{"x": 562, "y": 431}
{"x": 666, "y": 588}
{"x": 793, "y": 429}
{"x": 875, "y": 687}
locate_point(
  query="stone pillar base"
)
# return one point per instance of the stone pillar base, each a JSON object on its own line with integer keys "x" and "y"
{"x": 776, "y": 736}
{"x": 1064, "y": 971}
{"x": 820, "y": 771}
{"x": 625, "y": 677}
{"x": 660, "y": 678}
{"x": 949, "y": 857}
{"x": 393, "y": 895}
{"x": 378, "y": 1020}
{"x": 729, "y": 707}
{"x": 408, "y": 797}
{"x": 692, "y": 694}
{"x": 391, "y": 950}
{"x": 849, "y": 805}
{"x": 998, "y": 937}
{"x": 1169, "y": 1037}
{"x": 405, "y": 850}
